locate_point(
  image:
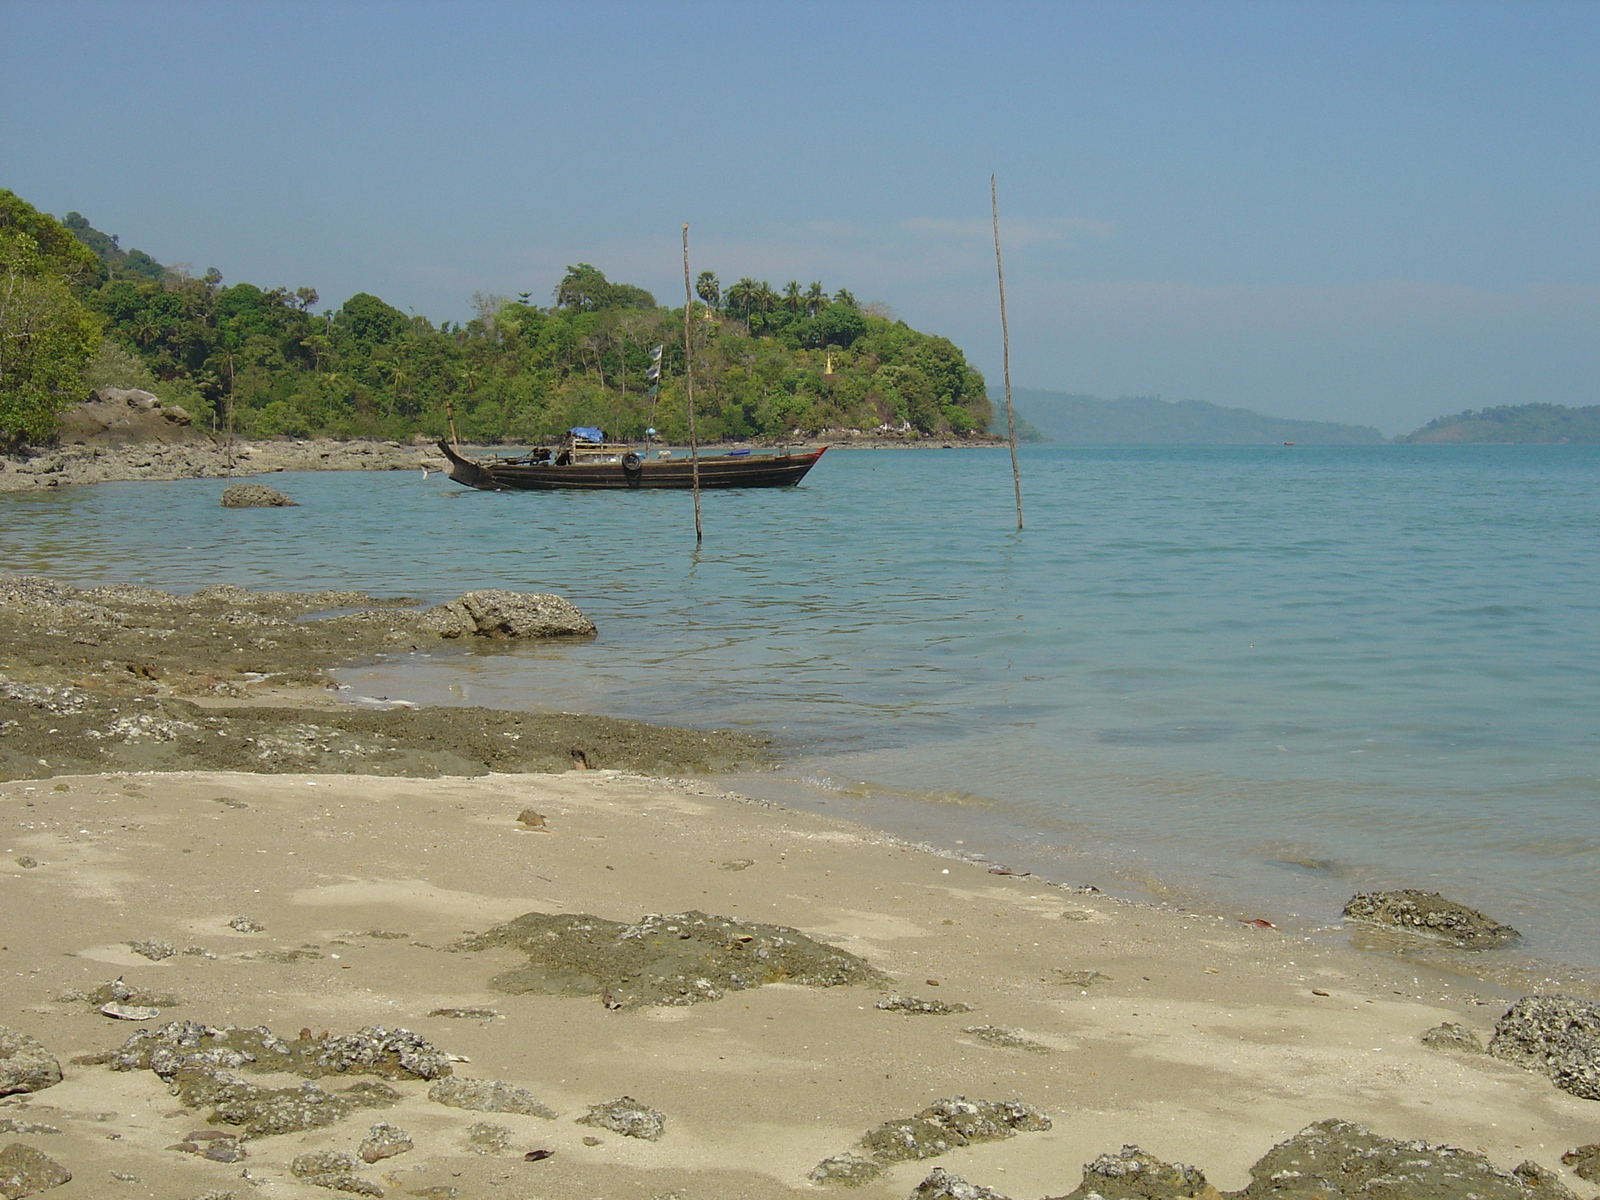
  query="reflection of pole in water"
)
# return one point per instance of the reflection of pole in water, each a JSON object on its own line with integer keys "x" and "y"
{"x": 1005, "y": 351}
{"x": 688, "y": 386}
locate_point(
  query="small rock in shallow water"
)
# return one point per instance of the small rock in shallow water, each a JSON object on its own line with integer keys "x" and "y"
{"x": 533, "y": 820}
{"x": 626, "y": 1116}
{"x": 25, "y": 1171}
{"x": 25, "y": 1065}
{"x": 1584, "y": 1161}
{"x": 1432, "y": 914}
{"x": 27, "y": 861}
{"x": 1452, "y": 1036}
{"x": 1559, "y": 1035}
{"x": 255, "y": 495}
{"x": 487, "y": 1095}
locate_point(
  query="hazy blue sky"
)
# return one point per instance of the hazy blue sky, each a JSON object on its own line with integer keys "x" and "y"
{"x": 1371, "y": 212}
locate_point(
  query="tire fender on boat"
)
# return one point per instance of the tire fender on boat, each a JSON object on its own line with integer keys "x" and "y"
{"x": 631, "y": 462}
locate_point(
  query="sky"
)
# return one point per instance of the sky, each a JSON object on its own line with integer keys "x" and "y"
{"x": 1352, "y": 211}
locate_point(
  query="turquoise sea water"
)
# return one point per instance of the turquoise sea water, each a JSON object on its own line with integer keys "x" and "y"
{"x": 1265, "y": 677}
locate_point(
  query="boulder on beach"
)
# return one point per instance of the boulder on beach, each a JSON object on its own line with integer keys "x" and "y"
{"x": 1341, "y": 1158}
{"x": 1559, "y": 1035}
{"x": 497, "y": 613}
{"x": 114, "y": 416}
{"x": 25, "y": 1171}
{"x": 25, "y": 1065}
{"x": 1431, "y": 914}
{"x": 255, "y": 495}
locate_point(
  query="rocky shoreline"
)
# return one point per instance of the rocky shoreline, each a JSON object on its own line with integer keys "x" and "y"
{"x": 132, "y": 678}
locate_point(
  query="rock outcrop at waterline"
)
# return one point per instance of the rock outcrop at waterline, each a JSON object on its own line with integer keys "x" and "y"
{"x": 102, "y": 679}
{"x": 1432, "y": 915}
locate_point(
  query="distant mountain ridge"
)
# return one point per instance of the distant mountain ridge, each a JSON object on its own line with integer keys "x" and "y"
{"x": 1150, "y": 420}
{"x": 1526, "y": 423}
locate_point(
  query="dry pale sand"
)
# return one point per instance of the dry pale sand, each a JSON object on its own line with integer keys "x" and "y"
{"x": 1208, "y": 1044}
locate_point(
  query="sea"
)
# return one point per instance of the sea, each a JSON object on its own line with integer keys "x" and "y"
{"x": 1251, "y": 680}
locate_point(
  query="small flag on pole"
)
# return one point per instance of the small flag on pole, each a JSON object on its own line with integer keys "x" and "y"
{"x": 654, "y": 373}
{"x": 655, "y": 353}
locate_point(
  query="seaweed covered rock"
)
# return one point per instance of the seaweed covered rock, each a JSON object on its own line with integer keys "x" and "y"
{"x": 1559, "y": 1035}
{"x": 684, "y": 958}
{"x": 25, "y": 1065}
{"x": 384, "y": 1141}
{"x": 942, "y": 1185}
{"x": 488, "y": 1095}
{"x": 374, "y": 1050}
{"x": 626, "y": 1116}
{"x": 1335, "y": 1160}
{"x": 917, "y": 1006}
{"x": 947, "y": 1124}
{"x": 255, "y": 495}
{"x": 1431, "y": 914}
{"x": 846, "y": 1170}
{"x": 1584, "y": 1161}
{"x": 497, "y": 613}
{"x": 334, "y": 1170}
{"x": 1131, "y": 1174}
{"x": 1452, "y": 1035}
{"x": 25, "y": 1171}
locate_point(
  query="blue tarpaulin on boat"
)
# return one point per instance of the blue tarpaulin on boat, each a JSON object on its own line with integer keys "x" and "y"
{"x": 587, "y": 433}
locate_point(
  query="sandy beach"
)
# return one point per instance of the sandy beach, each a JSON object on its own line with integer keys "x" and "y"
{"x": 1199, "y": 1039}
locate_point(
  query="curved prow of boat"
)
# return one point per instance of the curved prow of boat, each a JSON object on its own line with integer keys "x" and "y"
{"x": 606, "y": 466}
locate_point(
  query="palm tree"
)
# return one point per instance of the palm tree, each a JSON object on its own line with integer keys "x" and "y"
{"x": 742, "y": 297}
{"x": 792, "y": 299}
{"x": 816, "y": 299}
{"x": 844, "y": 297}
{"x": 708, "y": 289}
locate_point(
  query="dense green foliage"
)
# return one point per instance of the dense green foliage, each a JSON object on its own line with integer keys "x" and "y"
{"x": 1150, "y": 420}
{"x": 47, "y": 334}
{"x": 1514, "y": 423}
{"x": 766, "y": 363}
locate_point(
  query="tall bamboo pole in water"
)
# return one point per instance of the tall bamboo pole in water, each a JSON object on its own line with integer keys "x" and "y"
{"x": 1005, "y": 351}
{"x": 688, "y": 386}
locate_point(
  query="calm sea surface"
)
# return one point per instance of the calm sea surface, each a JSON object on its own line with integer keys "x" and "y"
{"x": 1261, "y": 678}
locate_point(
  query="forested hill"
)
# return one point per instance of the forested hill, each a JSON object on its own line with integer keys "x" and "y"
{"x": 1543, "y": 423}
{"x": 1149, "y": 420}
{"x": 768, "y": 362}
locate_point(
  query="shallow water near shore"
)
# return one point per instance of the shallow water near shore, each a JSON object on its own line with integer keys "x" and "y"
{"x": 1258, "y": 677}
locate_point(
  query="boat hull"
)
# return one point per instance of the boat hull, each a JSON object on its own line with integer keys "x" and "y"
{"x": 755, "y": 470}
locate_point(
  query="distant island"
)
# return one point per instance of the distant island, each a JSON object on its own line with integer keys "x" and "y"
{"x": 1150, "y": 420}
{"x": 1532, "y": 423}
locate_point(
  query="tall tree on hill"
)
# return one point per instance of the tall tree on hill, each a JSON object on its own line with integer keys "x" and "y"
{"x": 708, "y": 289}
{"x": 47, "y": 335}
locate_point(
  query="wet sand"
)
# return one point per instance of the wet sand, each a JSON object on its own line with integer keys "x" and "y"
{"x": 1200, "y": 1039}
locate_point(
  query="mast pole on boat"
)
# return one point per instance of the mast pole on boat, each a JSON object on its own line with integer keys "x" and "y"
{"x": 688, "y": 387}
{"x": 1005, "y": 350}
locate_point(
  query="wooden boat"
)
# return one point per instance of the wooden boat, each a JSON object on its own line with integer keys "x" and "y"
{"x": 581, "y": 464}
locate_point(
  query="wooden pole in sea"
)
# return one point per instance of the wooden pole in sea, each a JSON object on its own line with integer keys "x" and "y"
{"x": 1005, "y": 351}
{"x": 688, "y": 387}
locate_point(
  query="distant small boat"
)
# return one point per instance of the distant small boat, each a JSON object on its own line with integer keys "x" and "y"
{"x": 585, "y": 460}
{"x": 1288, "y": 443}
